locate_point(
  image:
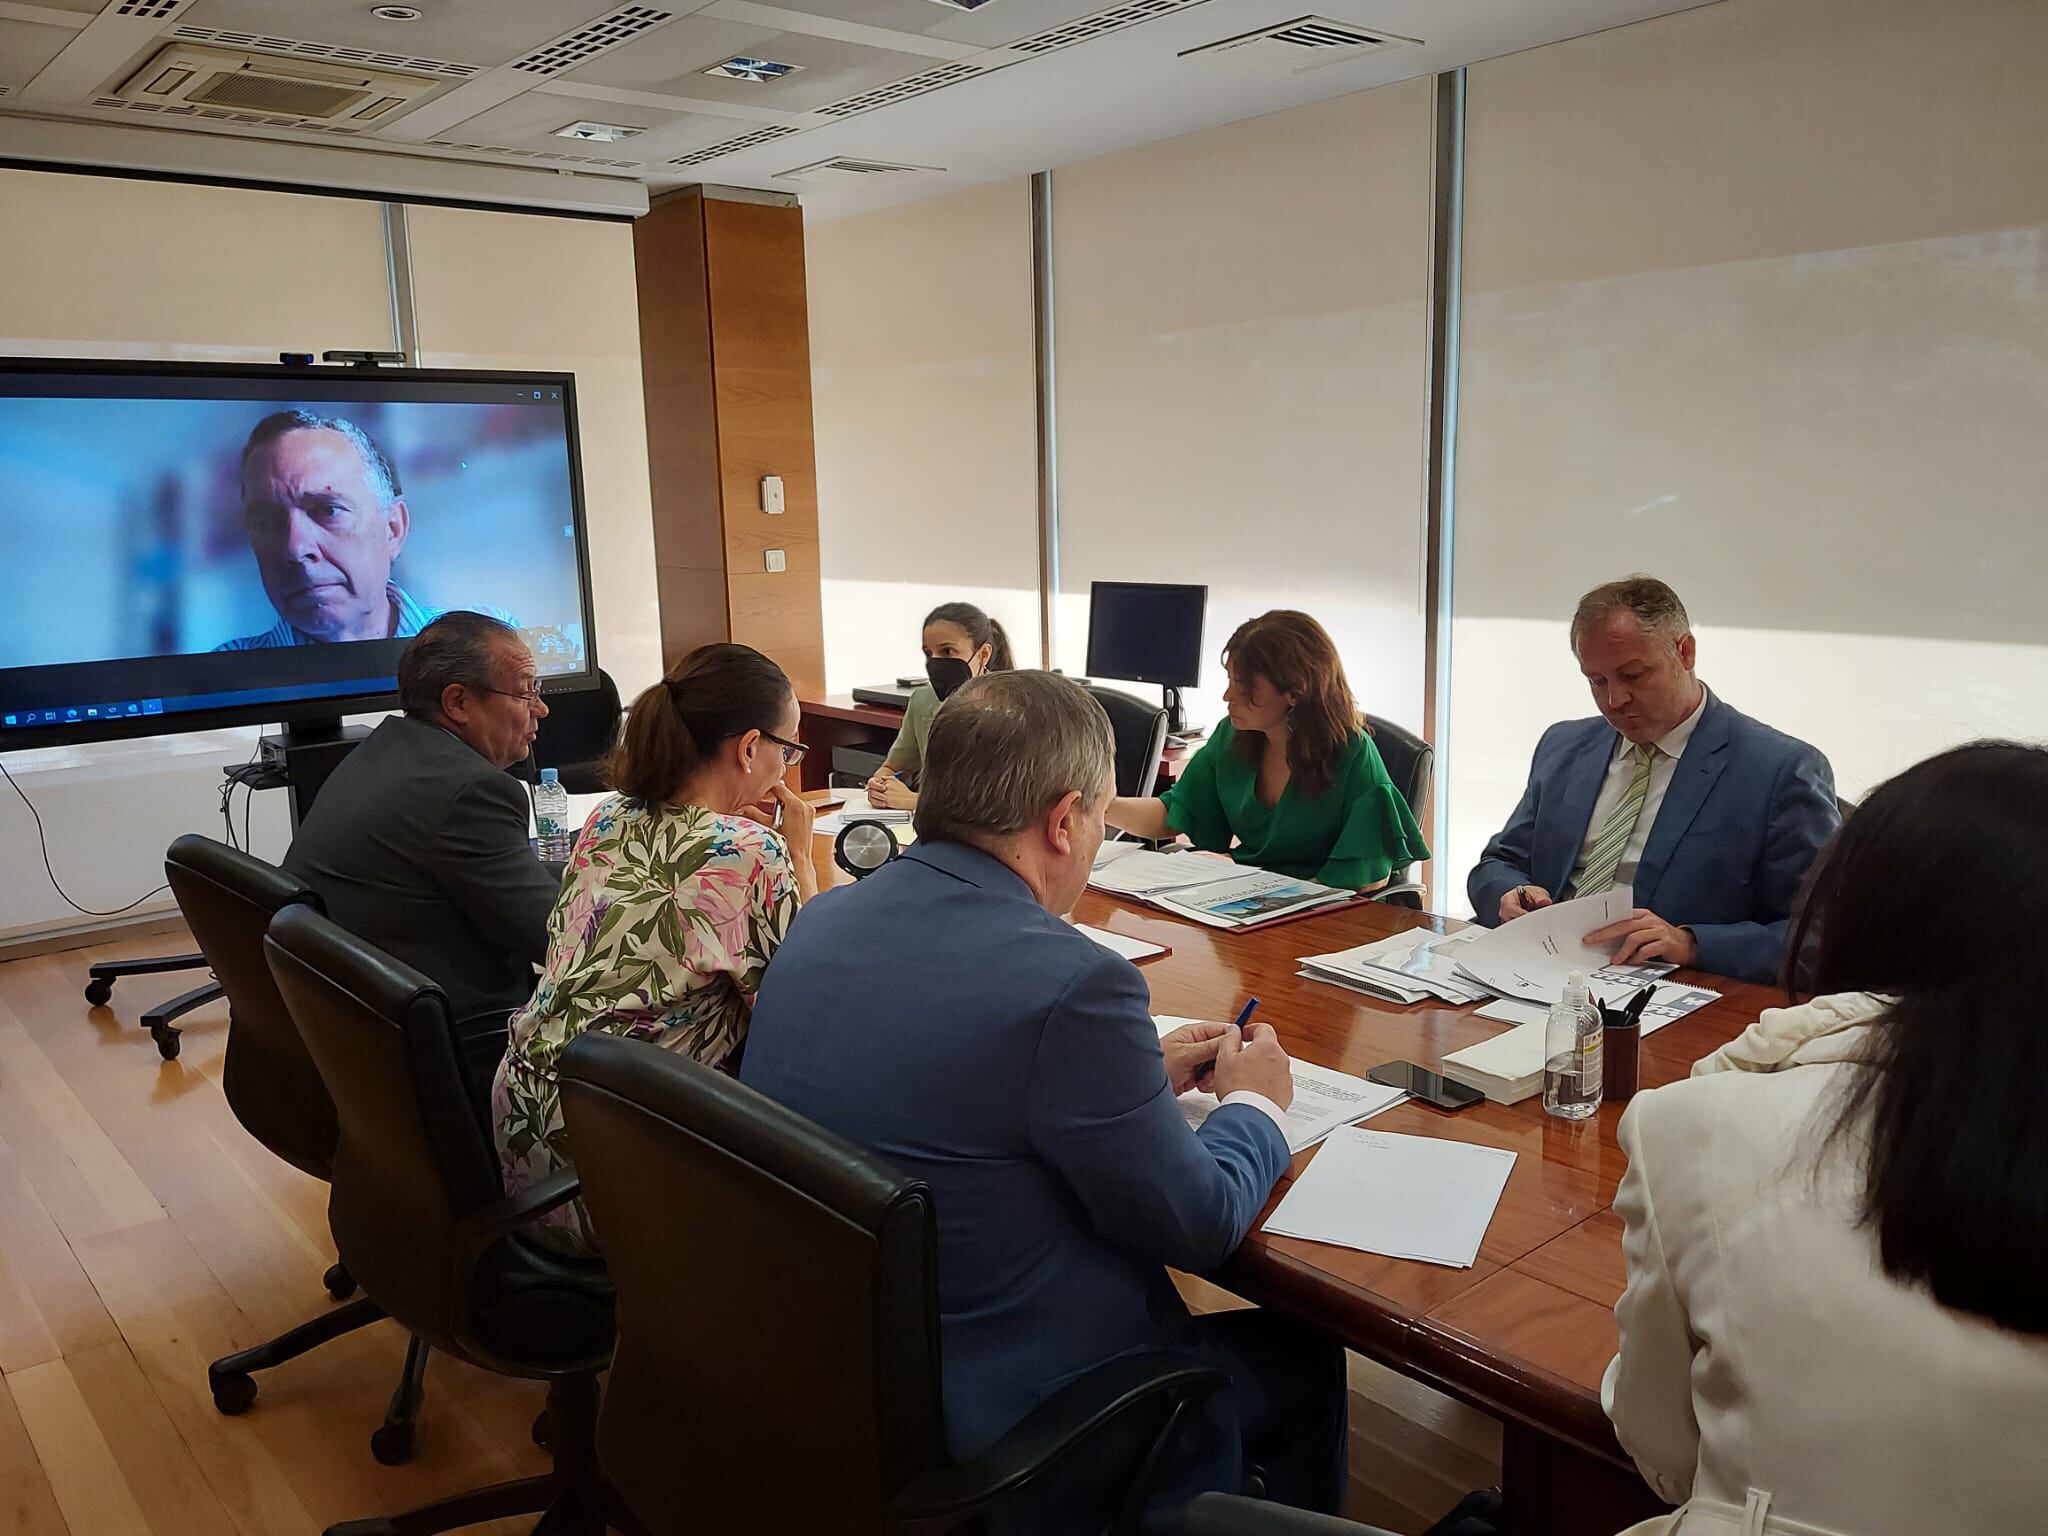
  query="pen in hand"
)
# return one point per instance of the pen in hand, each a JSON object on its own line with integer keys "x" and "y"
{"x": 1207, "y": 1070}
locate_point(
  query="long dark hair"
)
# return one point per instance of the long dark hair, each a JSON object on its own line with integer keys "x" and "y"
{"x": 715, "y": 693}
{"x": 1296, "y": 655}
{"x": 980, "y": 628}
{"x": 1935, "y": 892}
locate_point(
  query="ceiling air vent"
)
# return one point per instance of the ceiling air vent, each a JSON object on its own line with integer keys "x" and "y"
{"x": 301, "y": 48}
{"x": 1097, "y": 25}
{"x": 901, "y": 90}
{"x": 276, "y": 89}
{"x": 733, "y": 146}
{"x": 848, "y": 165}
{"x": 1303, "y": 43}
{"x": 609, "y": 31}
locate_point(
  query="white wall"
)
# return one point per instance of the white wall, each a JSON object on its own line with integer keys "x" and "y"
{"x": 105, "y": 267}
{"x": 922, "y": 396}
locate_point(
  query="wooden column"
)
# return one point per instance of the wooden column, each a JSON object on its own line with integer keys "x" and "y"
{"x": 725, "y": 353}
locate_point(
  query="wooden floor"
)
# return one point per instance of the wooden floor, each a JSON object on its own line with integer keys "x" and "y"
{"x": 142, "y": 1233}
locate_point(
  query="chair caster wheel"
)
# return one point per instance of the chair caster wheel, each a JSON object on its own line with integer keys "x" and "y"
{"x": 99, "y": 992}
{"x": 233, "y": 1394}
{"x": 392, "y": 1444}
{"x": 339, "y": 1282}
{"x": 166, "y": 1041}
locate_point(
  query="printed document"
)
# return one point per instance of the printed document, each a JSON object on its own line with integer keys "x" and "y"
{"x": 1323, "y": 1099}
{"x": 1409, "y": 1197}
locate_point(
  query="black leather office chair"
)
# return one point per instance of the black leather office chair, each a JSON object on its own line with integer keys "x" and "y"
{"x": 1224, "y": 1514}
{"x": 423, "y": 1224}
{"x": 778, "y": 1359}
{"x": 228, "y": 899}
{"x": 1410, "y": 763}
{"x": 1140, "y": 731}
{"x": 577, "y": 737}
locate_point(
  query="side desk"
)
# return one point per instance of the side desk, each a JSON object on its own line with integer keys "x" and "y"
{"x": 1526, "y": 1333}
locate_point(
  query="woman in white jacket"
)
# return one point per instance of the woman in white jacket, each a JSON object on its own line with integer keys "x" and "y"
{"x": 1836, "y": 1318}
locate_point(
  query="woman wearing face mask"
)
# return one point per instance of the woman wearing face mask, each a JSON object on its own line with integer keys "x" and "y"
{"x": 960, "y": 641}
{"x": 1293, "y": 780}
{"x": 673, "y": 903}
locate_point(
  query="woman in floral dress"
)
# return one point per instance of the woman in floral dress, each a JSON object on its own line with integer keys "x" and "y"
{"x": 675, "y": 899}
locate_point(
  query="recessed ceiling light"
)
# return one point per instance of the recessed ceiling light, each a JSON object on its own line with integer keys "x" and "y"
{"x": 759, "y": 71}
{"x": 963, "y": 5}
{"x": 598, "y": 133}
{"x": 412, "y": 12}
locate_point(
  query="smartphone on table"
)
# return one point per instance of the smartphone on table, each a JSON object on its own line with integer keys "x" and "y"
{"x": 1421, "y": 1083}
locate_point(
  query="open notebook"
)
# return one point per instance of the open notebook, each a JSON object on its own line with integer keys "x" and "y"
{"x": 1206, "y": 889}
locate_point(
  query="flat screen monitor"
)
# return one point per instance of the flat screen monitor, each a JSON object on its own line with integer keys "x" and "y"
{"x": 198, "y": 545}
{"x": 1145, "y": 632}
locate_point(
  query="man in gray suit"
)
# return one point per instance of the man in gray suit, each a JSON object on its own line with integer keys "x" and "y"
{"x": 943, "y": 1014}
{"x": 418, "y": 840}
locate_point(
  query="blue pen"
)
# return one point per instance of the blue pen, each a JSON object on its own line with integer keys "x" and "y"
{"x": 1244, "y": 1016}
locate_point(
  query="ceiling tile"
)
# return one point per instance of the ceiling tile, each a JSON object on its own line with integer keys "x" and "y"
{"x": 992, "y": 26}
{"x": 83, "y": 7}
{"x": 673, "y": 61}
{"x": 25, "y": 48}
{"x": 482, "y": 32}
{"x": 530, "y": 121}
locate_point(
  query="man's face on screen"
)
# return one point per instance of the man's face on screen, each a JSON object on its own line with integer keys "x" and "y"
{"x": 322, "y": 536}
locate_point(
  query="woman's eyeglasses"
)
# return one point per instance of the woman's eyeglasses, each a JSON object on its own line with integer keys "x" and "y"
{"x": 792, "y": 751}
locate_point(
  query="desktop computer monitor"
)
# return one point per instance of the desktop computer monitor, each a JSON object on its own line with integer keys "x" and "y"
{"x": 1147, "y": 632}
{"x": 199, "y": 545}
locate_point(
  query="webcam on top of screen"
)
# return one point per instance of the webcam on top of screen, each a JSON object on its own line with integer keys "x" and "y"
{"x": 365, "y": 359}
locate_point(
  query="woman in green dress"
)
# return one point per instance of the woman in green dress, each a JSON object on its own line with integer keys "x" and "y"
{"x": 677, "y": 895}
{"x": 960, "y": 641}
{"x": 1292, "y": 783}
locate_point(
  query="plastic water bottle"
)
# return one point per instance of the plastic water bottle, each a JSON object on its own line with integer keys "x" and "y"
{"x": 552, "y": 834}
{"x": 1572, "y": 1038}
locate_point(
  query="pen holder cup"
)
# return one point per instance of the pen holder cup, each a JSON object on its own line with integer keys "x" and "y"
{"x": 1621, "y": 1064}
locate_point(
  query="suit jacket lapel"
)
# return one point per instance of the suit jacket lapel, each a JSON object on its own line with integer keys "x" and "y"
{"x": 1692, "y": 780}
{"x": 1582, "y": 779}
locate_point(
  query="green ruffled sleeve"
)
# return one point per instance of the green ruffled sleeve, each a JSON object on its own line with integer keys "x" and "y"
{"x": 1379, "y": 838}
{"x": 1194, "y": 805}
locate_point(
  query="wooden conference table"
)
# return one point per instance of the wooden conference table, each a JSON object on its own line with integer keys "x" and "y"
{"x": 1526, "y": 1333}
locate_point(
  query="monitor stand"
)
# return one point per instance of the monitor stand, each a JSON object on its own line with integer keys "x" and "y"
{"x": 306, "y": 752}
{"x": 1177, "y": 716}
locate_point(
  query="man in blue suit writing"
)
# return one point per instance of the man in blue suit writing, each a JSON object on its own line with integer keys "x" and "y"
{"x": 1712, "y": 818}
{"x": 944, "y": 1014}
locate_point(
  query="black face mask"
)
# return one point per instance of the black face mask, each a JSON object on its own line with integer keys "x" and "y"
{"x": 947, "y": 673}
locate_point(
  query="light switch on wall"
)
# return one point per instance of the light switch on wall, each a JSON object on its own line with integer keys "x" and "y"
{"x": 777, "y": 560}
{"x": 771, "y": 494}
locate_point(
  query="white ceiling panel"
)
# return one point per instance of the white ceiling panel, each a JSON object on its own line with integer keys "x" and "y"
{"x": 530, "y": 121}
{"x": 82, "y": 7}
{"x": 672, "y": 61}
{"x": 994, "y": 25}
{"x": 26, "y": 47}
{"x": 483, "y": 32}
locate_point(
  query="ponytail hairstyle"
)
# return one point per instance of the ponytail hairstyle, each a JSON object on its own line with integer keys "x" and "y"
{"x": 715, "y": 693}
{"x": 981, "y": 630}
{"x": 1296, "y": 655}
{"x": 1944, "y": 1108}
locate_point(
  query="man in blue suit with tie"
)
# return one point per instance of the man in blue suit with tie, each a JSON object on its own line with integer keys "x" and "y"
{"x": 945, "y": 1015}
{"x": 1712, "y": 818}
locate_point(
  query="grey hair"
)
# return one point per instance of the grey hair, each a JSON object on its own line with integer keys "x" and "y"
{"x": 383, "y": 474}
{"x": 458, "y": 647}
{"x": 1004, "y": 749}
{"x": 1655, "y": 606}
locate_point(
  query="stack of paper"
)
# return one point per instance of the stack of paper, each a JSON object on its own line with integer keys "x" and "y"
{"x": 1507, "y": 1068}
{"x": 1323, "y": 1099}
{"x": 1210, "y": 890}
{"x": 1133, "y": 950}
{"x": 1409, "y": 1197}
{"x": 831, "y": 824}
{"x": 1405, "y": 968}
{"x": 1614, "y": 985}
{"x": 1530, "y": 957}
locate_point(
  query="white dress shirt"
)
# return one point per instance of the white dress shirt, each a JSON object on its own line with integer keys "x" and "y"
{"x": 1620, "y": 769}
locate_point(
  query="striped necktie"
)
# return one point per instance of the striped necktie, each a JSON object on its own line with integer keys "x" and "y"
{"x": 1605, "y": 857}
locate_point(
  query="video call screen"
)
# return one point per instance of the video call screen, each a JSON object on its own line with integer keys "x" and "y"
{"x": 182, "y": 542}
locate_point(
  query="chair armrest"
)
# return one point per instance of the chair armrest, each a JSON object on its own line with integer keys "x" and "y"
{"x": 1225, "y": 1514}
{"x": 947, "y": 1496}
{"x": 486, "y": 1224}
